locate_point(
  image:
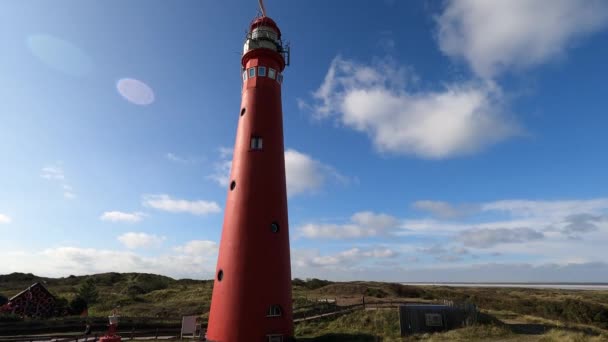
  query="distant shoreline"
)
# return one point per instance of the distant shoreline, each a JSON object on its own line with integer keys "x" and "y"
{"x": 531, "y": 285}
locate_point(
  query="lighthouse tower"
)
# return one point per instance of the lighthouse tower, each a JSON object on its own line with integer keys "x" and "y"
{"x": 252, "y": 290}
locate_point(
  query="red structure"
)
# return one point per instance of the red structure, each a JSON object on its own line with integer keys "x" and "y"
{"x": 252, "y": 291}
{"x": 111, "y": 335}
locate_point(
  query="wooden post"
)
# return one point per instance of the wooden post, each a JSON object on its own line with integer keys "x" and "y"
{"x": 156, "y": 335}
{"x": 363, "y": 300}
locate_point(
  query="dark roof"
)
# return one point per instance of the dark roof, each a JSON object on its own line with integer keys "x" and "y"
{"x": 31, "y": 287}
{"x": 265, "y": 21}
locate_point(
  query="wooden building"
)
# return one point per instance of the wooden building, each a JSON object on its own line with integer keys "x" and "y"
{"x": 35, "y": 301}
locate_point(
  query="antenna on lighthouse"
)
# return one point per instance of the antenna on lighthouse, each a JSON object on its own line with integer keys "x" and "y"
{"x": 262, "y": 7}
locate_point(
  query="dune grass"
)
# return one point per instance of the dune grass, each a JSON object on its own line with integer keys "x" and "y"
{"x": 556, "y": 315}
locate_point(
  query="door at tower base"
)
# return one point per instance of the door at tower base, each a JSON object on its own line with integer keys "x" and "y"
{"x": 251, "y": 298}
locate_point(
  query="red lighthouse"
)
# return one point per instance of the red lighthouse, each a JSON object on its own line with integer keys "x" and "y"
{"x": 252, "y": 290}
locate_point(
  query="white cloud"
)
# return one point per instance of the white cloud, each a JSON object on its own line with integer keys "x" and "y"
{"x": 493, "y": 36}
{"x": 362, "y": 224}
{"x": 52, "y": 172}
{"x": 341, "y": 260}
{"x": 355, "y": 265}
{"x": 199, "y": 247}
{"x": 55, "y": 173}
{"x": 133, "y": 240}
{"x": 180, "y": 159}
{"x": 166, "y": 203}
{"x": 5, "y": 219}
{"x": 578, "y": 224}
{"x": 303, "y": 173}
{"x": 536, "y": 232}
{"x": 484, "y": 238}
{"x": 119, "y": 216}
{"x": 551, "y": 209}
{"x": 221, "y": 173}
{"x": 459, "y": 119}
{"x": 63, "y": 261}
{"x": 445, "y": 210}
{"x": 69, "y": 195}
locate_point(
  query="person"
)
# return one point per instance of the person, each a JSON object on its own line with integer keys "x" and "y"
{"x": 87, "y": 329}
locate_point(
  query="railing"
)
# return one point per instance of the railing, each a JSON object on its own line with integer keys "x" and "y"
{"x": 125, "y": 335}
{"x": 71, "y": 326}
{"x": 64, "y": 330}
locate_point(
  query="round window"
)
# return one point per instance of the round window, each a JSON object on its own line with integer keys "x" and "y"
{"x": 274, "y": 227}
{"x": 220, "y": 275}
{"x": 242, "y": 111}
{"x": 232, "y": 185}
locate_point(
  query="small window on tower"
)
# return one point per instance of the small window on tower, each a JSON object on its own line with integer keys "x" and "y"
{"x": 280, "y": 78}
{"x": 275, "y": 338}
{"x": 244, "y": 76}
{"x": 251, "y": 72}
{"x": 256, "y": 143}
{"x": 261, "y": 71}
{"x": 274, "y": 311}
{"x": 272, "y": 73}
{"x": 274, "y": 227}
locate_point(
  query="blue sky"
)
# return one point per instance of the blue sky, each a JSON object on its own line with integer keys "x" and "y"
{"x": 425, "y": 141}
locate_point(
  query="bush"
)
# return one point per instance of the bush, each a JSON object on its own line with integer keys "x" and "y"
{"x": 134, "y": 290}
{"x": 78, "y": 305}
{"x": 150, "y": 282}
{"x": 314, "y": 283}
{"x": 298, "y": 282}
{"x": 374, "y": 292}
{"x": 62, "y": 306}
{"x": 3, "y": 300}
{"x": 88, "y": 291}
{"x": 109, "y": 279}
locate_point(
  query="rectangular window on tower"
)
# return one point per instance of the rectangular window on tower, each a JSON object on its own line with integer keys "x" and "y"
{"x": 261, "y": 71}
{"x": 256, "y": 143}
{"x": 274, "y": 311}
{"x": 280, "y": 78}
{"x": 251, "y": 72}
{"x": 244, "y": 76}
{"x": 272, "y": 73}
{"x": 275, "y": 338}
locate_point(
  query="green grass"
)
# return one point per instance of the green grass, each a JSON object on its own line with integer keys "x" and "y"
{"x": 365, "y": 322}
{"x": 578, "y": 315}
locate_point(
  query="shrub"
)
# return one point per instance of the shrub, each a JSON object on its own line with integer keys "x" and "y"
{"x": 134, "y": 290}
{"x": 78, "y": 305}
{"x": 62, "y": 306}
{"x": 374, "y": 292}
{"x": 314, "y": 283}
{"x": 88, "y": 291}
{"x": 150, "y": 282}
{"x": 3, "y": 300}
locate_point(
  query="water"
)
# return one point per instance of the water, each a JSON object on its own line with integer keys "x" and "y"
{"x": 588, "y": 287}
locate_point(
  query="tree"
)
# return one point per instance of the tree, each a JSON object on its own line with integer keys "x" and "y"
{"x": 3, "y": 300}
{"x": 78, "y": 305}
{"x": 62, "y": 306}
{"x": 88, "y": 291}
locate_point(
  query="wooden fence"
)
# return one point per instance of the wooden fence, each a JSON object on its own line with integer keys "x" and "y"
{"x": 67, "y": 329}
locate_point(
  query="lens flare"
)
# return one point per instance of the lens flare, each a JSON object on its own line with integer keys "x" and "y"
{"x": 135, "y": 91}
